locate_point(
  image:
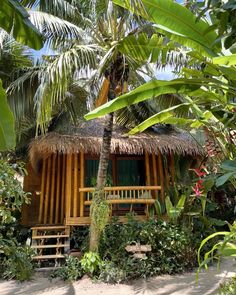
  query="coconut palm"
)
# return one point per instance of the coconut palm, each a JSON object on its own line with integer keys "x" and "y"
{"x": 14, "y": 19}
{"x": 95, "y": 47}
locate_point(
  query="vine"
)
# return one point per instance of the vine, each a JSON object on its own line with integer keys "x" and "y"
{"x": 100, "y": 210}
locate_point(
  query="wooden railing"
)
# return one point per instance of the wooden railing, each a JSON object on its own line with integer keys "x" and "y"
{"x": 123, "y": 194}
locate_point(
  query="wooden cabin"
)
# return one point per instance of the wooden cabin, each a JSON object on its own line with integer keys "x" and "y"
{"x": 62, "y": 173}
{"x": 63, "y": 167}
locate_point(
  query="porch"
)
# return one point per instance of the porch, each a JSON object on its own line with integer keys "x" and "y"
{"x": 62, "y": 195}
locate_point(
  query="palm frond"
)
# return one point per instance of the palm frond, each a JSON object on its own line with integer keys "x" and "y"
{"x": 55, "y": 29}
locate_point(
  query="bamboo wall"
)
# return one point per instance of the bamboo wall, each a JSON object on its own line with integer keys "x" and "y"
{"x": 61, "y": 177}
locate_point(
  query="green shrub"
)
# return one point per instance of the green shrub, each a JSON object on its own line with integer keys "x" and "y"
{"x": 70, "y": 271}
{"x": 172, "y": 248}
{"x": 91, "y": 262}
{"x": 18, "y": 263}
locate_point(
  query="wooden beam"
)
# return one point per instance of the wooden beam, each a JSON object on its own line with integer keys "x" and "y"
{"x": 48, "y": 181}
{"x": 68, "y": 184}
{"x": 52, "y": 197}
{"x": 75, "y": 203}
{"x": 42, "y": 193}
{"x": 147, "y": 167}
{"x": 167, "y": 176}
{"x": 160, "y": 167}
{"x": 58, "y": 191}
{"x": 63, "y": 190}
{"x": 82, "y": 169}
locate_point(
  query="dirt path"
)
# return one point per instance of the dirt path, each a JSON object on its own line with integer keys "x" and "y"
{"x": 163, "y": 285}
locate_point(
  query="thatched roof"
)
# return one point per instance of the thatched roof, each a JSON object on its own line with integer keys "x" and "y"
{"x": 87, "y": 137}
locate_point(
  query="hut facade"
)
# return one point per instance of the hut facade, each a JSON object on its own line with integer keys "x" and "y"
{"x": 63, "y": 167}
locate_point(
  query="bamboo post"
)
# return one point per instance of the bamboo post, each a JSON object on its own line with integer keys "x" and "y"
{"x": 43, "y": 178}
{"x": 48, "y": 180}
{"x": 68, "y": 184}
{"x": 52, "y": 203}
{"x": 172, "y": 168}
{"x": 63, "y": 192}
{"x": 154, "y": 165}
{"x": 75, "y": 203}
{"x": 147, "y": 166}
{"x": 82, "y": 183}
{"x": 160, "y": 166}
{"x": 59, "y": 180}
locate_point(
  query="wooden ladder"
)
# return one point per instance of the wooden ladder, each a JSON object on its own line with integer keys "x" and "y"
{"x": 51, "y": 244}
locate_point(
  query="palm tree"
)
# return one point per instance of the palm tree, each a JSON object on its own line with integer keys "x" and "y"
{"x": 95, "y": 47}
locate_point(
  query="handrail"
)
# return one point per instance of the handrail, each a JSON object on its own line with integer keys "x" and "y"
{"x": 122, "y": 188}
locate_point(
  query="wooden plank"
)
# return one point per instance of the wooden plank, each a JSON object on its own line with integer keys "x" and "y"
{"x": 111, "y": 189}
{"x": 57, "y": 227}
{"x": 63, "y": 191}
{"x": 58, "y": 191}
{"x": 43, "y": 180}
{"x": 68, "y": 184}
{"x": 161, "y": 173}
{"x": 82, "y": 168}
{"x": 45, "y": 257}
{"x": 52, "y": 197}
{"x": 167, "y": 176}
{"x": 75, "y": 203}
{"x": 49, "y": 237}
{"x": 48, "y": 183}
{"x": 79, "y": 221}
{"x": 126, "y": 201}
{"x": 147, "y": 168}
{"x": 50, "y": 246}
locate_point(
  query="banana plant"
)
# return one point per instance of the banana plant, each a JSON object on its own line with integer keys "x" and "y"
{"x": 208, "y": 90}
{"x": 225, "y": 247}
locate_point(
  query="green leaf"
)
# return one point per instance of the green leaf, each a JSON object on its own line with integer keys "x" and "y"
{"x": 229, "y": 60}
{"x": 15, "y": 19}
{"x": 143, "y": 92}
{"x": 177, "y": 20}
{"x": 228, "y": 165}
{"x": 166, "y": 116}
{"x": 224, "y": 178}
{"x": 181, "y": 202}
{"x": 7, "y": 133}
{"x": 225, "y": 233}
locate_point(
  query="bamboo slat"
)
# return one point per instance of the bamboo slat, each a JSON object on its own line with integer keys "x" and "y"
{"x": 161, "y": 173}
{"x": 82, "y": 168}
{"x": 75, "y": 203}
{"x": 63, "y": 192}
{"x": 48, "y": 180}
{"x": 58, "y": 191}
{"x": 68, "y": 184}
{"x": 42, "y": 194}
{"x": 147, "y": 167}
{"x": 52, "y": 195}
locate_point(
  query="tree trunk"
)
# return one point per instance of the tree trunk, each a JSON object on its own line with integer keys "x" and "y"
{"x": 102, "y": 172}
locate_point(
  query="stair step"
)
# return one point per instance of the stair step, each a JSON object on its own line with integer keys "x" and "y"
{"x": 49, "y": 246}
{"x": 49, "y": 237}
{"x": 41, "y": 257}
{"x": 50, "y": 227}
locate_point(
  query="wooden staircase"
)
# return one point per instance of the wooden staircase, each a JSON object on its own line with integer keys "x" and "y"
{"x": 51, "y": 244}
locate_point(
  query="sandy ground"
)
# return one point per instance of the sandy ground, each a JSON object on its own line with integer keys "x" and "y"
{"x": 184, "y": 284}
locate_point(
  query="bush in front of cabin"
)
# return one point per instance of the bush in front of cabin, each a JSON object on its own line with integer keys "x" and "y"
{"x": 172, "y": 249}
